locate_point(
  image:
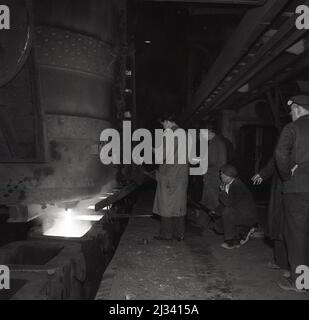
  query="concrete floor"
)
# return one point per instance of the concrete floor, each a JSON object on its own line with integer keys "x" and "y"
{"x": 146, "y": 269}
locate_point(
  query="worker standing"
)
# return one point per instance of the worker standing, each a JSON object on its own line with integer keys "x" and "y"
{"x": 292, "y": 157}
{"x": 171, "y": 194}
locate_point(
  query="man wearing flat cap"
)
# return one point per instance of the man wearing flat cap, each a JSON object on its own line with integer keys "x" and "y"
{"x": 237, "y": 209}
{"x": 292, "y": 157}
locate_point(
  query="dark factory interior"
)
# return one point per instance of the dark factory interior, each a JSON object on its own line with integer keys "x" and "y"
{"x": 73, "y": 227}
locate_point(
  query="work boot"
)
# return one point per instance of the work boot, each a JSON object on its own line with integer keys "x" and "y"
{"x": 288, "y": 284}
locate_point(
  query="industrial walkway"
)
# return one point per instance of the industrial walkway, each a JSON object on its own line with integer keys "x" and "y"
{"x": 198, "y": 268}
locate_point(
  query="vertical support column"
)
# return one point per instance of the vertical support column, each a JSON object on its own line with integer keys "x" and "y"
{"x": 274, "y": 103}
{"x": 258, "y": 149}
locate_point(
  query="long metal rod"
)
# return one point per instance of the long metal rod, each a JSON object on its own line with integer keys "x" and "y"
{"x": 197, "y": 205}
{"x": 116, "y": 197}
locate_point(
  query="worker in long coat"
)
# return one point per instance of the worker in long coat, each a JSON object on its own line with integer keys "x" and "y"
{"x": 292, "y": 159}
{"x": 171, "y": 195}
{"x": 275, "y": 217}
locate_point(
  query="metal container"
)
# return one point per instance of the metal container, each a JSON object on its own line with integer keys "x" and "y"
{"x": 62, "y": 265}
{"x": 97, "y": 250}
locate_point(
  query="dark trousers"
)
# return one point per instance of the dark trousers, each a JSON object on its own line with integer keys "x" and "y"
{"x": 281, "y": 254}
{"x": 235, "y": 223}
{"x": 172, "y": 227}
{"x": 296, "y": 231}
{"x": 210, "y": 195}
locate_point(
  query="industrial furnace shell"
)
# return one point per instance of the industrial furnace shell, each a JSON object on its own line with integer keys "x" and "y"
{"x": 57, "y": 106}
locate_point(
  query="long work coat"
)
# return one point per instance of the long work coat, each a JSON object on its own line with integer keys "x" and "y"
{"x": 275, "y": 221}
{"x": 171, "y": 194}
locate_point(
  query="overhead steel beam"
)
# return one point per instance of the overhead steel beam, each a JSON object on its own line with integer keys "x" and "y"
{"x": 284, "y": 39}
{"x": 212, "y": 10}
{"x": 232, "y": 2}
{"x": 300, "y": 66}
{"x": 269, "y": 77}
{"x": 117, "y": 196}
{"x": 253, "y": 25}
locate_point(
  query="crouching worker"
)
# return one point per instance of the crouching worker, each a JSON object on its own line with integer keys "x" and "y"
{"x": 237, "y": 209}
